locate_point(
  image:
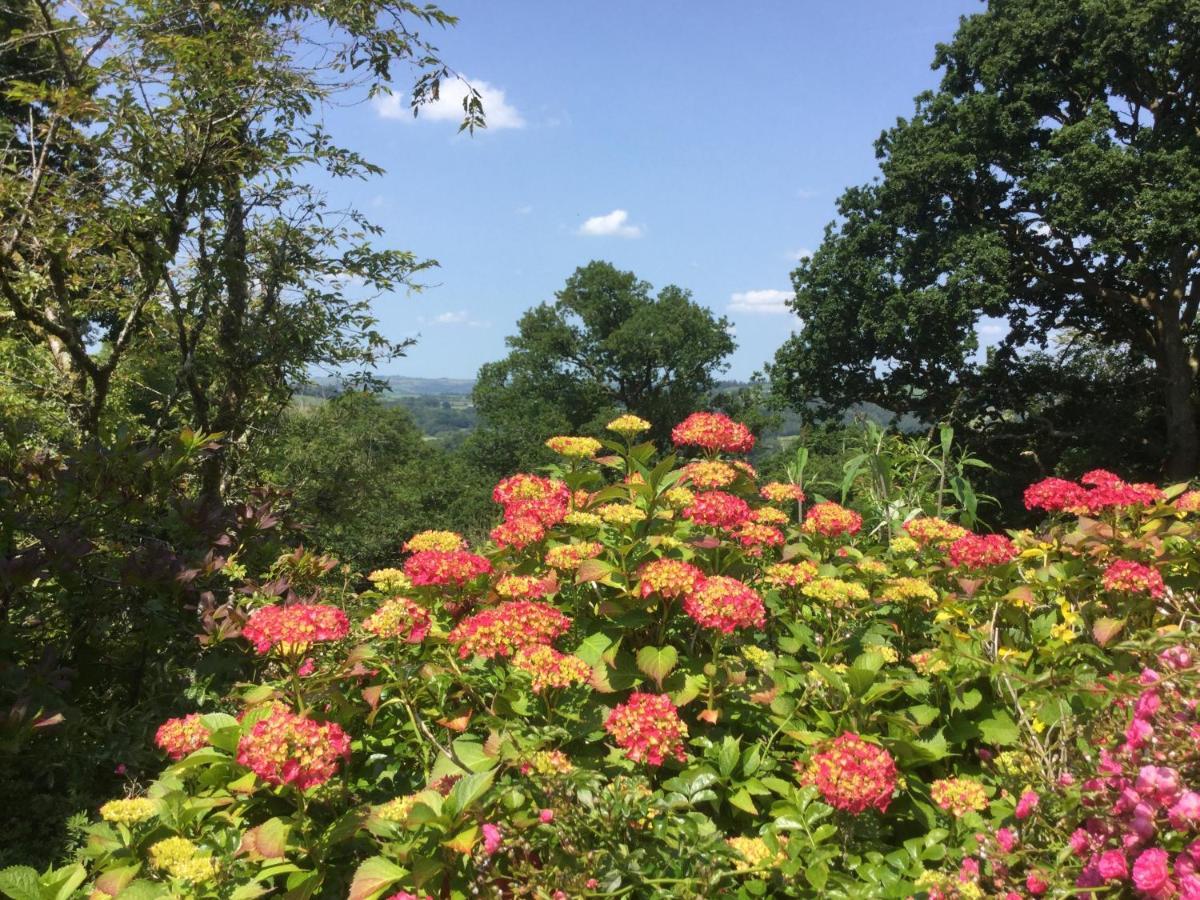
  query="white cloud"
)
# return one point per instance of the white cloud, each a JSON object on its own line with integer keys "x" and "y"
{"x": 613, "y": 224}
{"x": 458, "y": 317}
{"x": 448, "y": 107}
{"x": 523, "y": 210}
{"x": 767, "y": 302}
{"x": 806, "y": 194}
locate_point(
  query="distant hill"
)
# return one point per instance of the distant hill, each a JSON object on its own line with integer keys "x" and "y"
{"x": 399, "y": 386}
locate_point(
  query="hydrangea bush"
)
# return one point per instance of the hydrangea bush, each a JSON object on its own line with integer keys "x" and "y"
{"x": 662, "y": 677}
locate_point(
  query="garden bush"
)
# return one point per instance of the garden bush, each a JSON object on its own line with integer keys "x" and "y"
{"x": 663, "y": 678}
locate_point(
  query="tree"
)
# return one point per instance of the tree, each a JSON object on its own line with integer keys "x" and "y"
{"x": 1051, "y": 183}
{"x": 160, "y": 229}
{"x": 604, "y": 344}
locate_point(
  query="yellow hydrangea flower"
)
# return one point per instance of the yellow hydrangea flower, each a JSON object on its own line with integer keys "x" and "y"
{"x": 628, "y": 425}
{"x": 755, "y": 854}
{"x": 390, "y": 581}
{"x": 129, "y": 811}
{"x": 575, "y": 447}
{"x": 835, "y": 591}
{"x": 678, "y": 497}
{"x": 582, "y": 519}
{"x": 622, "y": 514}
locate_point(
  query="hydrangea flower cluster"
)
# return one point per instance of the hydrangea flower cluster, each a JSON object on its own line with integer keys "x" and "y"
{"x": 399, "y": 618}
{"x": 980, "y": 551}
{"x": 525, "y": 587}
{"x": 435, "y": 540}
{"x": 725, "y": 604}
{"x": 628, "y": 425}
{"x": 179, "y": 737}
{"x": 532, "y": 496}
{"x": 390, "y": 581}
{"x": 621, "y": 514}
{"x": 285, "y": 748}
{"x": 756, "y": 536}
{"x": 717, "y": 509}
{"x": 754, "y": 853}
{"x": 549, "y": 668}
{"x": 852, "y": 774}
{"x": 908, "y": 590}
{"x": 505, "y": 629}
{"x": 568, "y": 557}
{"x": 575, "y": 447}
{"x": 129, "y": 811}
{"x": 180, "y": 858}
{"x": 1133, "y": 578}
{"x": 442, "y": 567}
{"x": 789, "y": 574}
{"x": 709, "y": 473}
{"x": 518, "y": 533}
{"x": 831, "y": 520}
{"x": 713, "y": 432}
{"x": 648, "y": 728}
{"x": 1096, "y": 492}
{"x": 932, "y": 531}
{"x": 958, "y": 796}
{"x": 781, "y": 492}
{"x": 835, "y": 591}
{"x": 292, "y": 628}
{"x": 669, "y": 578}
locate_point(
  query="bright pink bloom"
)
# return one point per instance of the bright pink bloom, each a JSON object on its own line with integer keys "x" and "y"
{"x": 285, "y": 748}
{"x": 1007, "y": 839}
{"x": 1150, "y": 871}
{"x": 503, "y": 630}
{"x": 294, "y": 626}
{"x": 1133, "y": 578}
{"x": 546, "y": 816}
{"x": 1112, "y": 865}
{"x": 1036, "y": 884}
{"x": 648, "y": 728}
{"x": 445, "y": 567}
{"x": 492, "y": 838}
{"x": 718, "y": 509}
{"x": 979, "y": 551}
{"x": 725, "y": 604}
{"x": 831, "y": 520}
{"x": 179, "y": 737}
{"x": 1027, "y": 804}
{"x": 852, "y": 774}
{"x": 713, "y": 431}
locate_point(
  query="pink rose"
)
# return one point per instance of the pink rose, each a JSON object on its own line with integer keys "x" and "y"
{"x": 1007, "y": 839}
{"x": 1150, "y": 873}
{"x": 1079, "y": 841}
{"x": 491, "y": 838}
{"x": 546, "y": 816}
{"x": 1112, "y": 865}
{"x": 1027, "y": 804}
{"x": 1036, "y": 884}
{"x": 1186, "y": 810}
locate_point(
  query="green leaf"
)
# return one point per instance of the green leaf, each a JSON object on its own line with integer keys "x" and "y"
{"x": 742, "y": 800}
{"x": 20, "y": 883}
{"x": 657, "y": 662}
{"x": 1105, "y": 629}
{"x": 373, "y": 876}
{"x": 472, "y": 754}
{"x": 1000, "y": 729}
{"x": 466, "y": 791}
{"x": 816, "y": 875}
{"x": 727, "y": 758}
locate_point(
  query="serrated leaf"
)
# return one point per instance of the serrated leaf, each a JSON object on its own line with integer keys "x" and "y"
{"x": 20, "y": 883}
{"x": 657, "y": 662}
{"x": 1105, "y": 629}
{"x": 1000, "y": 729}
{"x": 373, "y": 876}
{"x": 742, "y": 800}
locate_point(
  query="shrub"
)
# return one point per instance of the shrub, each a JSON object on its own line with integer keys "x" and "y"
{"x": 647, "y": 705}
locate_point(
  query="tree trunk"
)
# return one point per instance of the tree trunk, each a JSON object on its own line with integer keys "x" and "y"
{"x": 1179, "y": 381}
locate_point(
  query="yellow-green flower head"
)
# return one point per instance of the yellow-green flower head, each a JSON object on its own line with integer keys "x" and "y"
{"x": 390, "y": 581}
{"x": 181, "y": 858}
{"x": 755, "y": 854}
{"x": 909, "y": 590}
{"x": 622, "y": 514}
{"x": 396, "y": 810}
{"x": 447, "y": 541}
{"x": 574, "y": 447}
{"x": 678, "y": 497}
{"x": 887, "y": 651}
{"x": 835, "y": 591}
{"x": 628, "y": 425}
{"x": 903, "y": 545}
{"x": 582, "y": 519}
{"x": 130, "y": 811}
{"x": 757, "y": 657}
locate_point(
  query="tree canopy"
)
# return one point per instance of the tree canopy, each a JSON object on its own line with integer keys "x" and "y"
{"x": 606, "y": 343}
{"x": 1049, "y": 189}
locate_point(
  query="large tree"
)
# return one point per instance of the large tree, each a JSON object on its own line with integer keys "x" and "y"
{"x": 606, "y": 343}
{"x": 1049, "y": 187}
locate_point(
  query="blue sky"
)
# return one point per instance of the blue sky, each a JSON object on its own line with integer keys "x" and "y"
{"x": 699, "y": 144}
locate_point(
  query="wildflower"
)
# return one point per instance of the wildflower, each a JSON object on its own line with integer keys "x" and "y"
{"x": 435, "y": 540}
{"x": 567, "y": 557}
{"x": 648, "y": 728}
{"x": 294, "y": 627}
{"x": 492, "y": 838}
{"x": 581, "y": 519}
{"x": 621, "y": 514}
{"x": 781, "y": 492}
{"x": 1134, "y": 578}
{"x": 179, "y": 737}
{"x": 852, "y": 775}
{"x": 978, "y": 551}
{"x": 754, "y": 535}
{"x": 129, "y": 811}
{"x": 517, "y": 533}
{"x": 668, "y": 578}
{"x": 788, "y": 575}
{"x": 679, "y": 497}
{"x": 549, "y": 668}
{"x": 545, "y": 816}
{"x": 713, "y": 431}
{"x": 725, "y": 604}
{"x": 1027, "y": 804}
{"x": 931, "y": 531}
{"x": 908, "y": 590}
{"x": 575, "y": 447}
{"x": 458, "y": 567}
{"x": 755, "y": 854}
{"x": 628, "y": 425}
{"x": 532, "y": 496}
{"x": 718, "y": 509}
{"x": 504, "y": 629}
{"x": 1150, "y": 871}
{"x": 835, "y": 591}
{"x": 1006, "y": 838}
{"x": 709, "y": 473}
{"x": 390, "y": 581}
{"x": 285, "y": 748}
{"x": 1036, "y": 884}
{"x": 399, "y": 618}
{"x": 958, "y": 796}
{"x": 831, "y": 520}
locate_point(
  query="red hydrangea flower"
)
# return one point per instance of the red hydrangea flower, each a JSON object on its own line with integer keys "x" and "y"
{"x": 979, "y": 551}
{"x": 455, "y": 567}
{"x": 532, "y": 496}
{"x": 285, "y": 748}
{"x": 549, "y": 668}
{"x": 505, "y": 629}
{"x": 1134, "y": 578}
{"x": 718, "y": 509}
{"x": 927, "y": 530}
{"x": 831, "y": 520}
{"x": 399, "y": 618}
{"x": 669, "y": 578}
{"x": 713, "y": 431}
{"x": 295, "y": 626}
{"x": 179, "y": 737}
{"x": 725, "y": 604}
{"x": 648, "y": 728}
{"x": 756, "y": 536}
{"x": 852, "y": 774}
{"x": 1055, "y": 495}
{"x": 518, "y": 532}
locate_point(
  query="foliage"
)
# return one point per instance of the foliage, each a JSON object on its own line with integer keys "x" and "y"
{"x": 710, "y": 710}
{"x": 604, "y": 345}
{"x": 1049, "y": 185}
